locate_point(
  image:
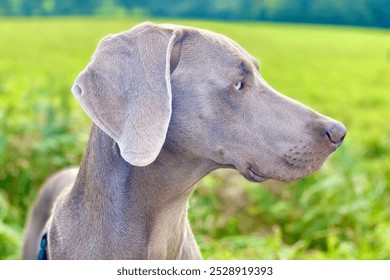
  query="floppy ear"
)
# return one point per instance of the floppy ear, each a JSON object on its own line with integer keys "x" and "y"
{"x": 126, "y": 89}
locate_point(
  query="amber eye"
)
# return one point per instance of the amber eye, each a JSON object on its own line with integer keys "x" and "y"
{"x": 238, "y": 85}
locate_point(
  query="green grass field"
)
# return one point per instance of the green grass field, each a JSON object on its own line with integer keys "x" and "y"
{"x": 340, "y": 212}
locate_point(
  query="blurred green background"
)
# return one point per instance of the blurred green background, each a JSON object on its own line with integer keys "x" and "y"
{"x": 340, "y": 212}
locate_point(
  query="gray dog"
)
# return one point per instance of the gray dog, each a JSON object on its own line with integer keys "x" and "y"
{"x": 169, "y": 105}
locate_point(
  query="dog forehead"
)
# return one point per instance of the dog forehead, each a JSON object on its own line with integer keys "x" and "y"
{"x": 219, "y": 46}
{"x": 232, "y": 49}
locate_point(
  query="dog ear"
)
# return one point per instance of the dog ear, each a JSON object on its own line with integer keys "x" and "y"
{"x": 126, "y": 89}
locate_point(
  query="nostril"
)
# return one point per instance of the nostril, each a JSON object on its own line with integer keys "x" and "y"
{"x": 77, "y": 90}
{"x": 336, "y": 133}
{"x": 329, "y": 136}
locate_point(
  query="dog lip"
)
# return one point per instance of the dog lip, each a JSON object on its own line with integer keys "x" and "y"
{"x": 255, "y": 177}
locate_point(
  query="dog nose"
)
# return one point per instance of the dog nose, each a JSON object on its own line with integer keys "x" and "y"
{"x": 336, "y": 133}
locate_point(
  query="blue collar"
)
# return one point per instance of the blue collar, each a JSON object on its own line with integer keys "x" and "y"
{"x": 42, "y": 255}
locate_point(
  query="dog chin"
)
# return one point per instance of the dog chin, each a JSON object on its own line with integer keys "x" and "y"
{"x": 294, "y": 175}
{"x": 286, "y": 172}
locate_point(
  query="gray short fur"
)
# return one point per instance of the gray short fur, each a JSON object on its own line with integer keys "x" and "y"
{"x": 169, "y": 104}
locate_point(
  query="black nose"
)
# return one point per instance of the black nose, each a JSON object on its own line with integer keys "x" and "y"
{"x": 336, "y": 133}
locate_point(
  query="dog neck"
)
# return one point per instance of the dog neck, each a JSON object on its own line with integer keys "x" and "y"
{"x": 135, "y": 212}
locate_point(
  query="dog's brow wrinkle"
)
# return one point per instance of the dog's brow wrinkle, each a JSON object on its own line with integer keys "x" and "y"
{"x": 244, "y": 68}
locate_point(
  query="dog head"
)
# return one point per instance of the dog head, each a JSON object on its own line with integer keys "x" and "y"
{"x": 200, "y": 93}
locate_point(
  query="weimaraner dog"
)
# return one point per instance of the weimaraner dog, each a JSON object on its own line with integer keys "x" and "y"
{"x": 169, "y": 104}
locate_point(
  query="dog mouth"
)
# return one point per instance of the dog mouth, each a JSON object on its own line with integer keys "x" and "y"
{"x": 253, "y": 176}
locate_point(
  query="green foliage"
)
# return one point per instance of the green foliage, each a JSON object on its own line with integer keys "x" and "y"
{"x": 340, "y": 212}
{"x": 347, "y": 12}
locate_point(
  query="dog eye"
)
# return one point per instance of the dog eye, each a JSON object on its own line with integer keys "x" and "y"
{"x": 238, "y": 85}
